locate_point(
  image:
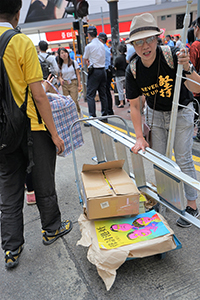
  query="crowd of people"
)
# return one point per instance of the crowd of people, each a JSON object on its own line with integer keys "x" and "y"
{"x": 67, "y": 71}
{"x": 141, "y": 70}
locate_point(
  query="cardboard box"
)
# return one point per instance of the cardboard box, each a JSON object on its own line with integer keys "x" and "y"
{"x": 109, "y": 191}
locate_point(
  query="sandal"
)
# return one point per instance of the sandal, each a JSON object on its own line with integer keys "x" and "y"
{"x": 120, "y": 106}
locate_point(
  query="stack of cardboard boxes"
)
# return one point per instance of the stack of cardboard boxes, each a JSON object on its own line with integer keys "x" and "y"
{"x": 109, "y": 191}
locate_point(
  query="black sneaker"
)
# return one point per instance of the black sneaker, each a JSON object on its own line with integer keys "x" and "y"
{"x": 12, "y": 257}
{"x": 50, "y": 237}
{"x": 194, "y": 212}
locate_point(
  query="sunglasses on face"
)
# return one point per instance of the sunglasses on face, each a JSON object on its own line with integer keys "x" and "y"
{"x": 140, "y": 43}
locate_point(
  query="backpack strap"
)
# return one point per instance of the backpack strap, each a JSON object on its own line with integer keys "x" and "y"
{"x": 5, "y": 38}
{"x": 74, "y": 66}
{"x": 133, "y": 67}
{"x": 42, "y": 59}
{"x": 29, "y": 138}
{"x": 167, "y": 53}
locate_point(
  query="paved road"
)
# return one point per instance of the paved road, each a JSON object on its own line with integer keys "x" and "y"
{"x": 61, "y": 271}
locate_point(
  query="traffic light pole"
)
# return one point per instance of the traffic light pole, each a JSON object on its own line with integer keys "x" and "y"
{"x": 82, "y": 36}
{"x": 84, "y": 70}
{"x": 113, "y": 8}
{"x": 79, "y": 9}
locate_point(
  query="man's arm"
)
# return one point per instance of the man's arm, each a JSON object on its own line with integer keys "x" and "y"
{"x": 137, "y": 124}
{"x": 86, "y": 62}
{"x": 194, "y": 56}
{"x": 191, "y": 86}
{"x": 86, "y": 56}
{"x": 44, "y": 109}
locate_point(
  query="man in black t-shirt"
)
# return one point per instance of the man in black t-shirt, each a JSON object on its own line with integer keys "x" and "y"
{"x": 152, "y": 75}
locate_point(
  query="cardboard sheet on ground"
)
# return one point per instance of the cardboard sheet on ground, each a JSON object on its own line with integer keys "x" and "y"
{"x": 108, "y": 261}
{"x": 114, "y": 233}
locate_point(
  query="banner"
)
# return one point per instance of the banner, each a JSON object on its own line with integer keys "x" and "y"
{"x": 117, "y": 232}
{"x": 42, "y": 10}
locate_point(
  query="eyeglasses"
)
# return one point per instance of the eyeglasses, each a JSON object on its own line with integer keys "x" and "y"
{"x": 140, "y": 43}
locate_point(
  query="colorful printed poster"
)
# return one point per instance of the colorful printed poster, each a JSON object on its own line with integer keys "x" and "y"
{"x": 116, "y": 232}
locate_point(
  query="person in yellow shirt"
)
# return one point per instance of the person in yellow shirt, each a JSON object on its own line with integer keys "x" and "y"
{"x": 23, "y": 69}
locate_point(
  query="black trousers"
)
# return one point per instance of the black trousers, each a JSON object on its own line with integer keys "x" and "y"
{"x": 12, "y": 178}
{"x": 97, "y": 82}
{"x": 108, "y": 93}
{"x": 29, "y": 183}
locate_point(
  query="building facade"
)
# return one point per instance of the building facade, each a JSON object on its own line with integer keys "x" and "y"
{"x": 168, "y": 13}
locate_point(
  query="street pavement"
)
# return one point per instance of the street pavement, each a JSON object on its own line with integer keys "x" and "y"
{"x": 62, "y": 270}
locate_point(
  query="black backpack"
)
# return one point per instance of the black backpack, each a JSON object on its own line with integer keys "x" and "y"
{"x": 13, "y": 119}
{"x": 45, "y": 65}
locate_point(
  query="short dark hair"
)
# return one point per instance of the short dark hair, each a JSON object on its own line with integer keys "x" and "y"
{"x": 159, "y": 41}
{"x": 169, "y": 36}
{"x": 10, "y": 7}
{"x": 198, "y": 22}
{"x": 92, "y": 31}
{"x": 190, "y": 35}
{"x": 122, "y": 48}
{"x": 102, "y": 36}
{"x": 43, "y": 45}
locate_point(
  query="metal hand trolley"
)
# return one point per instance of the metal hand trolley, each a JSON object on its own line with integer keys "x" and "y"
{"x": 111, "y": 144}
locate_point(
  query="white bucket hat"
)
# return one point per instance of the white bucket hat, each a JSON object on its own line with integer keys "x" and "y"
{"x": 143, "y": 26}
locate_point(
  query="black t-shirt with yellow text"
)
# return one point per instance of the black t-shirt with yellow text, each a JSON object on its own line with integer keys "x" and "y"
{"x": 148, "y": 84}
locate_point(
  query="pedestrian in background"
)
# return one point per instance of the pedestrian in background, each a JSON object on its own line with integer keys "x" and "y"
{"x": 130, "y": 52}
{"x": 120, "y": 65}
{"x": 53, "y": 67}
{"x": 178, "y": 41}
{"x": 190, "y": 37}
{"x": 69, "y": 76}
{"x": 23, "y": 69}
{"x": 30, "y": 194}
{"x": 103, "y": 38}
{"x": 169, "y": 41}
{"x": 94, "y": 58}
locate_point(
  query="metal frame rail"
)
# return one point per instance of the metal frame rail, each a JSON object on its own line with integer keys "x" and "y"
{"x": 111, "y": 144}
